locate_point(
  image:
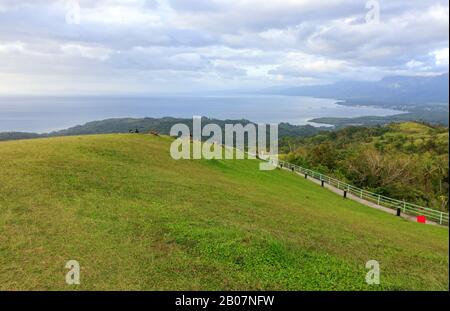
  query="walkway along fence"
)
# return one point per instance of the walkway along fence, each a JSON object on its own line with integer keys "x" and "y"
{"x": 405, "y": 207}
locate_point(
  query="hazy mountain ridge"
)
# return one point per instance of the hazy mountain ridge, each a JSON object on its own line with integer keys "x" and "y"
{"x": 393, "y": 90}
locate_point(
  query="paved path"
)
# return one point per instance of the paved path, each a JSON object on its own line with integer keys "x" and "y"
{"x": 362, "y": 201}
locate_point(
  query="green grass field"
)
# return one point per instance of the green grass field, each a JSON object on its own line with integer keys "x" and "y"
{"x": 418, "y": 133}
{"x": 137, "y": 220}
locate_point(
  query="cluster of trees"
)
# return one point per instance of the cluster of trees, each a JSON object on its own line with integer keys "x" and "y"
{"x": 408, "y": 161}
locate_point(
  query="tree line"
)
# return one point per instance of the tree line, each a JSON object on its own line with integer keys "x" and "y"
{"x": 407, "y": 161}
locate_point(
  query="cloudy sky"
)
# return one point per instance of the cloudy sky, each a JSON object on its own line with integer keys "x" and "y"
{"x": 153, "y": 46}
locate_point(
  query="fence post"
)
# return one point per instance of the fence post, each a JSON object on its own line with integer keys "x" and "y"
{"x": 346, "y": 188}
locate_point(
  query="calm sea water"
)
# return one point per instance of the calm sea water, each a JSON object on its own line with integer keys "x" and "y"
{"x": 44, "y": 114}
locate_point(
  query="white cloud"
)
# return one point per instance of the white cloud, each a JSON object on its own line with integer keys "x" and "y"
{"x": 303, "y": 65}
{"x": 11, "y": 47}
{"x": 119, "y": 15}
{"x": 77, "y": 50}
{"x": 441, "y": 56}
{"x": 414, "y": 64}
{"x": 202, "y": 44}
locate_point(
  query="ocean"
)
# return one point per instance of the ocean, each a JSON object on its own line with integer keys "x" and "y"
{"x": 44, "y": 114}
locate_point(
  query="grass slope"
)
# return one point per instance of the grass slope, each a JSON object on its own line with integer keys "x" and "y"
{"x": 136, "y": 219}
{"x": 419, "y": 133}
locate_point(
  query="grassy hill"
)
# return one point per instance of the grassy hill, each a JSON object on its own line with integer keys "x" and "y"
{"x": 418, "y": 133}
{"x": 136, "y": 219}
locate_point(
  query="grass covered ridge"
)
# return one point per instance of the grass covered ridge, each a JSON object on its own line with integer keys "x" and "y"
{"x": 136, "y": 219}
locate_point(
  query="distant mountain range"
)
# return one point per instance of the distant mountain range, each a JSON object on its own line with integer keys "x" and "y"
{"x": 396, "y": 90}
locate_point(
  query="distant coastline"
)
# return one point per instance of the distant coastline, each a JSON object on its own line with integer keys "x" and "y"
{"x": 44, "y": 114}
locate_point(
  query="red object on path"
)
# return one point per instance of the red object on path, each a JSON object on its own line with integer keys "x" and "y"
{"x": 421, "y": 219}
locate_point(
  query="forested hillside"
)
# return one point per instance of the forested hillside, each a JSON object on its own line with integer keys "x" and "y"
{"x": 407, "y": 161}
